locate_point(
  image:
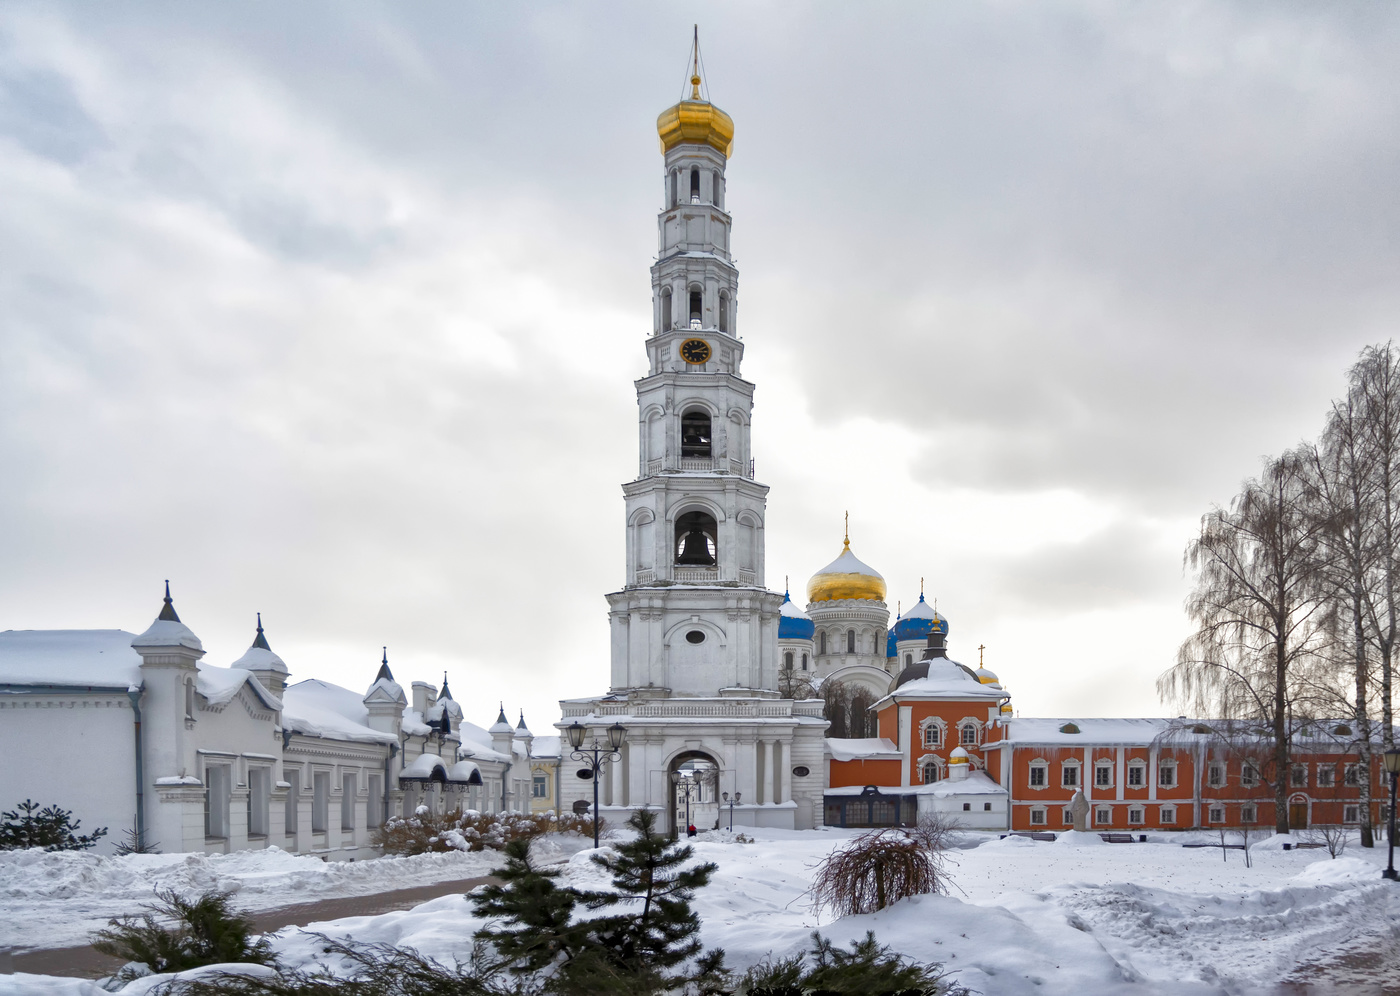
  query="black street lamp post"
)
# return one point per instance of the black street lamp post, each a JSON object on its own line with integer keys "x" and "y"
{"x": 594, "y": 756}
{"x": 731, "y": 807}
{"x": 1392, "y": 768}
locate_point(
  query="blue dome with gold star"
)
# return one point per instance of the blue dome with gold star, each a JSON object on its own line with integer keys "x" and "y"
{"x": 793, "y": 623}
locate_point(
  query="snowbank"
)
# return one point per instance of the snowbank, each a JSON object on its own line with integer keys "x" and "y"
{"x": 56, "y": 899}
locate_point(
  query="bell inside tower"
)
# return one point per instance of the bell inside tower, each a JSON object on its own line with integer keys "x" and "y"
{"x": 695, "y": 540}
{"x": 695, "y": 434}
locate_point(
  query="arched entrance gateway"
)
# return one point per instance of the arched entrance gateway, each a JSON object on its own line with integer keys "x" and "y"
{"x": 693, "y": 778}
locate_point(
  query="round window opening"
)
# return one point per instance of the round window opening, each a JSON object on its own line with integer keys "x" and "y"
{"x": 695, "y": 636}
{"x": 802, "y": 771}
{"x": 586, "y": 774}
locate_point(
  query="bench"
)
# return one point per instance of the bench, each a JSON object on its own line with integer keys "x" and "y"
{"x": 1119, "y": 838}
{"x": 1228, "y": 847}
{"x": 1305, "y": 845}
{"x": 1032, "y": 834}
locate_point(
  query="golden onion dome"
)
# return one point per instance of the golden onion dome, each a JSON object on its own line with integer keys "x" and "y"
{"x": 695, "y": 122}
{"x": 846, "y": 577}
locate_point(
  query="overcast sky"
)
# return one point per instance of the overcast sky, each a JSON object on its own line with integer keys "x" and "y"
{"x": 332, "y": 312}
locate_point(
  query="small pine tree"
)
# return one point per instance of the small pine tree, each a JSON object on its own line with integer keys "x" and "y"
{"x": 205, "y": 931}
{"x": 134, "y": 842}
{"x": 51, "y": 828}
{"x": 867, "y": 968}
{"x": 651, "y": 947}
{"x": 533, "y": 916}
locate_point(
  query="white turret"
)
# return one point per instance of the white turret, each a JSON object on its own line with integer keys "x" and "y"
{"x": 266, "y": 666}
{"x": 170, "y": 654}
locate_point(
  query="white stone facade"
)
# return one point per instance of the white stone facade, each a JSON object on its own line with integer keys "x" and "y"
{"x": 695, "y": 654}
{"x": 212, "y": 759}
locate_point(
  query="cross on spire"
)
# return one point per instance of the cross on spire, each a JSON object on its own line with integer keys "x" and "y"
{"x": 848, "y": 530}
{"x": 980, "y": 647}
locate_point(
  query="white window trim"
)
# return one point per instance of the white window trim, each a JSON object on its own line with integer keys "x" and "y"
{"x": 1038, "y": 811}
{"x": 1163, "y": 767}
{"x": 1101, "y": 765}
{"x": 1043, "y": 765}
{"x": 1141, "y": 768}
{"x": 1072, "y": 764}
{"x": 1163, "y": 812}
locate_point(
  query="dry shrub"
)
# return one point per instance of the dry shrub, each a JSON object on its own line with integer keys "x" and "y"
{"x": 470, "y": 830}
{"x": 874, "y": 870}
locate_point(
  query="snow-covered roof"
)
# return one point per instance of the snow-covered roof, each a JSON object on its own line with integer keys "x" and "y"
{"x": 387, "y": 688}
{"x": 476, "y": 743}
{"x": 79, "y": 657}
{"x": 946, "y": 679}
{"x": 1089, "y": 731}
{"x": 502, "y": 725}
{"x": 219, "y": 685}
{"x": 863, "y": 749}
{"x": 464, "y": 773}
{"x": 258, "y": 659}
{"x": 413, "y": 723}
{"x": 546, "y": 746}
{"x": 919, "y": 622}
{"x": 316, "y": 708}
{"x": 976, "y": 783}
{"x": 168, "y": 633}
{"x": 421, "y": 768}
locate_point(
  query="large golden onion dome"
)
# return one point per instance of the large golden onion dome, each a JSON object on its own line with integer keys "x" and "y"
{"x": 846, "y": 577}
{"x": 696, "y": 122}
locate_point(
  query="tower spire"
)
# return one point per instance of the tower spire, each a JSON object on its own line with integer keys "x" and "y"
{"x": 695, "y": 67}
{"x": 848, "y": 529}
{"x": 384, "y": 672}
{"x": 260, "y": 641}
{"x": 167, "y": 611}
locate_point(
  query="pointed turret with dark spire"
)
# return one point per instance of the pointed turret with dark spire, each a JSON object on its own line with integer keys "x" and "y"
{"x": 270, "y": 670}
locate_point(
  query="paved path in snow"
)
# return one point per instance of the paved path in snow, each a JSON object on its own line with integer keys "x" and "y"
{"x": 85, "y": 962}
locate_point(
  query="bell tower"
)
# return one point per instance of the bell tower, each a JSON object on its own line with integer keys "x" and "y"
{"x": 694, "y": 618}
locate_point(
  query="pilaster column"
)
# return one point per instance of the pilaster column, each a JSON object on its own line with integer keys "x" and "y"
{"x": 785, "y": 772}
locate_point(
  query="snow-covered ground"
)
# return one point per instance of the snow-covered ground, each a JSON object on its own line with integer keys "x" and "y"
{"x": 57, "y": 900}
{"x": 1075, "y": 917}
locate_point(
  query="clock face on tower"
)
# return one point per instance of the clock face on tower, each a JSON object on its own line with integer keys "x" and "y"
{"x": 695, "y": 351}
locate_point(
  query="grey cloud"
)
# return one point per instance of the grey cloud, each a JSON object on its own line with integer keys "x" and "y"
{"x": 368, "y": 368}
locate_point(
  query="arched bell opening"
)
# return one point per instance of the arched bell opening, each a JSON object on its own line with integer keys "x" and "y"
{"x": 697, "y": 307}
{"x": 695, "y": 433}
{"x": 667, "y": 316}
{"x": 696, "y": 540}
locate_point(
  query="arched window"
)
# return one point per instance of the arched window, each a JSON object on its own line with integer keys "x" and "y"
{"x": 804, "y": 662}
{"x": 695, "y": 186}
{"x": 969, "y": 733}
{"x": 717, "y": 190}
{"x": 697, "y": 307}
{"x": 189, "y": 699}
{"x": 695, "y": 433}
{"x": 695, "y": 539}
{"x": 908, "y": 659}
{"x": 933, "y": 735}
{"x": 850, "y": 641}
{"x": 675, "y": 188}
{"x": 787, "y": 661}
{"x": 821, "y": 645}
{"x": 930, "y": 771}
{"x": 668, "y": 317}
{"x": 724, "y": 311}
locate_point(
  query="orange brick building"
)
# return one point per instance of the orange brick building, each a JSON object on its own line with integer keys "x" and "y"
{"x": 948, "y": 743}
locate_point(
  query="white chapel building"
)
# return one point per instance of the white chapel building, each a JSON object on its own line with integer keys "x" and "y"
{"x": 694, "y": 627}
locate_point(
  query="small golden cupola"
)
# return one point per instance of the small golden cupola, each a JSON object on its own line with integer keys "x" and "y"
{"x": 695, "y": 121}
{"x": 846, "y": 577}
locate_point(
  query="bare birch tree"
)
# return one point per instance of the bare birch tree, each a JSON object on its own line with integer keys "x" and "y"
{"x": 1345, "y": 489}
{"x": 1375, "y": 394}
{"x": 1255, "y": 612}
